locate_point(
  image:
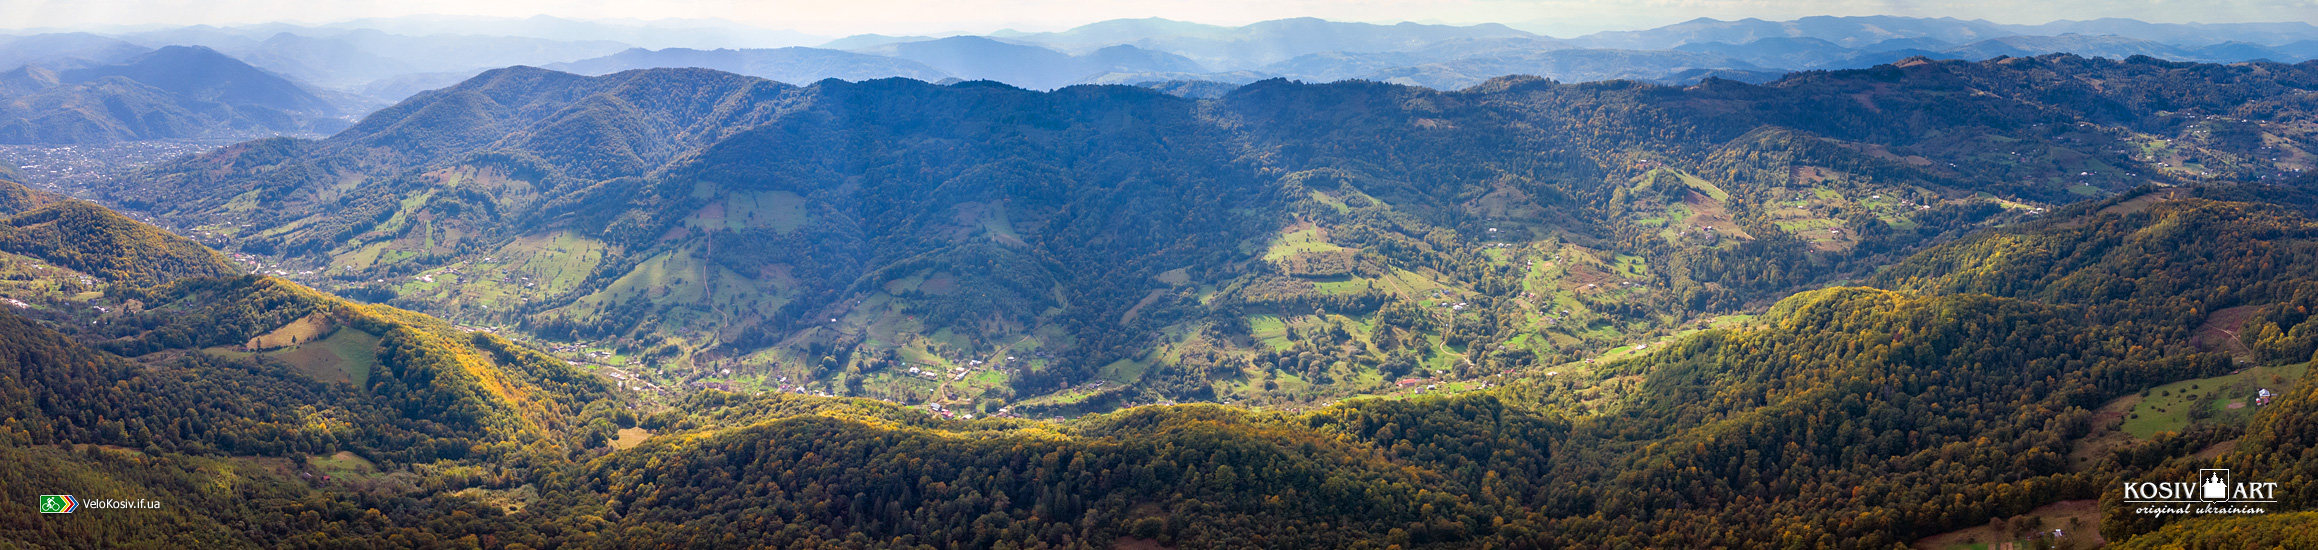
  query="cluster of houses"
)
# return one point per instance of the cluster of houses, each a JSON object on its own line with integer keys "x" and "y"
{"x": 956, "y": 373}
{"x": 257, "y": 265}
{"x": 626, "y": 381}
{"x": 58, "y": 167}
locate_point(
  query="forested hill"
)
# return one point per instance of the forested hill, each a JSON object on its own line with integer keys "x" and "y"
{"x": 16, "y": 198}
{"x": 85, "y": 237}
{"x": 1847, "y": 417}
{"x": 124, "y": 289}
{"x": 2191, "y": 275}
{"x": 235, "y": 399}
{"x": 977, "y": 245}
{"x": 1840, "y": 418}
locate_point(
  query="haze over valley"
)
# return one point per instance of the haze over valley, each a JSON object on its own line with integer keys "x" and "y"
{"x": 359, "y": 65}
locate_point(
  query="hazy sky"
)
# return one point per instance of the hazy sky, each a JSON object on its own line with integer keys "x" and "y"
{"x": 843, "y": 17}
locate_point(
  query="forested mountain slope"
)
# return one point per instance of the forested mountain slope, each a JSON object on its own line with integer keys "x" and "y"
{"x": 1841, "y": 418}
{"x": 88, "y": 238}
{"x": 238, "y": 448}
{"x": 2195, "y": 275}
{"x": 87, "y": 287}
{"x": 1846, "y": 417}
{"x": 234, "y": 399}
{"x": 980, "y": 245}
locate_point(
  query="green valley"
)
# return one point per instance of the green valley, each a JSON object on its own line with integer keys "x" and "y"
{"x": 1932, "y": 304}
{"x": 828, "y": 239}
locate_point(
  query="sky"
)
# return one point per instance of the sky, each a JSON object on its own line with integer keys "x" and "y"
{"x": 840, "y": 18}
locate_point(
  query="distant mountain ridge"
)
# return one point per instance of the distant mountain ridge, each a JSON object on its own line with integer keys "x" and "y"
{"x": 662, "y": 33}
{"x": 341, "y": 70}
{"x": 202, "y": 74}
{"x": 2183, "y": 34}
{"x": 1850, "y": 32}
{"x": 1865, "y": 31}
{"x": 342, "y": 58}
{"x": 795, "y": 65}
{"x": 390, "y": 59}
{"x": 65, "y": 50}
{"x": 1575, "y": 65}
{"x": 977, "y": 58}
{"x": 1751, "y": 49}
{"x": 1262, "y": 43}
{"x": 173, "y": 92}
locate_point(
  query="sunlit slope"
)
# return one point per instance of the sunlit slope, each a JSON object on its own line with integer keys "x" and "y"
{"x": 1922, "y": 414}
{"x": 236, "y": 400}
{"x": 166, "y": 299}
{"x": 483, "y": 394}
{"x": 85, "y": 237}
{"x": 902, "y": 240}
{"x": 1846, "y": 417}
{"x": 2213, "y": 275}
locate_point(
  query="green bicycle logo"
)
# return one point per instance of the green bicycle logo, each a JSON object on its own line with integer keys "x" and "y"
{"x": 58, "y": 504}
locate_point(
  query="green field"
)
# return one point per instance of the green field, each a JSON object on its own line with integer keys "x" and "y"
{"x": 1307, "y": 240}
{"x": 2166, "y": 408}
{"x": 1630, "y": 266}
{"x": 347, "y": 355}
{"x": 1270, "y": 330}
{"x": 1347, "y": 286}
{"x": 1124, "y": 371}
{"x": 1705, "y": 187}
{"x": 344, "y": 465}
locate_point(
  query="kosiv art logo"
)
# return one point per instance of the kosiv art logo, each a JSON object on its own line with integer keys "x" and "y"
{"x": 2211, "y": 492}
{"x": 58, "y": 504}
